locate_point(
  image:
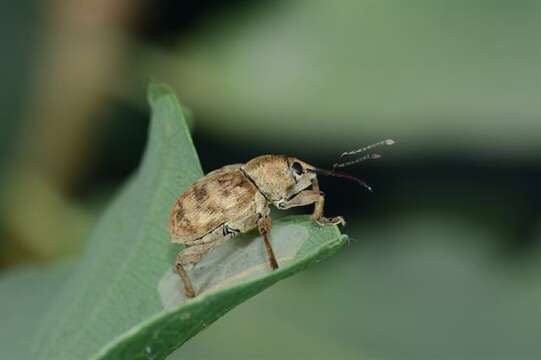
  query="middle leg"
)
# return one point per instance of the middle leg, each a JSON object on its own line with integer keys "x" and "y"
{"x": 264, "y": 224}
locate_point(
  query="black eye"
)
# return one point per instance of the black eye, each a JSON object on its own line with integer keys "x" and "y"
{"x": 297, "y": 168}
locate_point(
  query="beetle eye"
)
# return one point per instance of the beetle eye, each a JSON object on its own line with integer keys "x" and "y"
{"x": 297, "y": 168}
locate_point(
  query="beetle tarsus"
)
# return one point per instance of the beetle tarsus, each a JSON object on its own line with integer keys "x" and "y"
{"x": 338, "y": 220}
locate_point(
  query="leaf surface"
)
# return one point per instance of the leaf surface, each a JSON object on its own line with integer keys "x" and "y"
{"x": 111, "y": 306}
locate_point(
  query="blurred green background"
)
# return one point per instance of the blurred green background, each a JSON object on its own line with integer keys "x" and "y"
{"x": 444, "y": 255}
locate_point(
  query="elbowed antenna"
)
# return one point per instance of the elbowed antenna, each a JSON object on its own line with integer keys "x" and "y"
{"x": 341, "y": 175}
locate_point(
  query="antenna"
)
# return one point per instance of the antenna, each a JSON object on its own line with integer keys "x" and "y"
{"x": 352, "y": 162}
{"x": 340, "y": 163}
{"x": 341, "y": 175}
{"x": 387, "y": 142}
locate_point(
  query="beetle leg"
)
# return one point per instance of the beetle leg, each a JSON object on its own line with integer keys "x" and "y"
{"x": 317, "y": 215}
{"x": 188, "y": 287}
{"x": 191, "y": 255}
{"x": 316, "y": 197}
{"x": 264, "y": 224}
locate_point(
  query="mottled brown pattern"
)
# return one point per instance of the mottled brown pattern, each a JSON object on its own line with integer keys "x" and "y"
{"x": 179, "y": 209}
{"x": 200, "y": 192}
{"x": 224, "y": 181}
{"x": 226, "y": 192}
{"x": 216, "y": 198}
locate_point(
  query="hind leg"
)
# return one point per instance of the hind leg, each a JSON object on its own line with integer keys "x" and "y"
{"x": 196, "y": 249}
{"x": 188, "y": 287}
{"x": 192, "y": 255}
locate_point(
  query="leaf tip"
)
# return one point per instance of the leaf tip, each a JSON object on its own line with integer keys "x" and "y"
{"x": 157, "y": 89}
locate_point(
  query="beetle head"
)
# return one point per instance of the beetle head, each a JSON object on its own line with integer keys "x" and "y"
{"x": 279, "y": 177}
{"x": 302, "y": 174}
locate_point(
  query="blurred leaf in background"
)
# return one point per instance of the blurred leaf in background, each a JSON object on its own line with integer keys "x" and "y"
{"x": 70, "y": 50}
{"x": 435, "y": 74}
{"x": 18, "y": 42}
{"x": 445, "y": 262}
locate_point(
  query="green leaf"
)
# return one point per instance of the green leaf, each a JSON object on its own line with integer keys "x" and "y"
{"x": 112, "y": 306}
{"x": 26, "y": 292}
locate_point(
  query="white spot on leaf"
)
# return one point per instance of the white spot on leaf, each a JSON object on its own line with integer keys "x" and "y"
{"x": 235, "y": 261}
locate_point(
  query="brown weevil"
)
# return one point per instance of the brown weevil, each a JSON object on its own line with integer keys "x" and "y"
{"x": 236, "y": 199}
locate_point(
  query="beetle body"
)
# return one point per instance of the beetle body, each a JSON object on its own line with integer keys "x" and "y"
{"x": 216, "y": 206}
{"x": 236, "y": 199}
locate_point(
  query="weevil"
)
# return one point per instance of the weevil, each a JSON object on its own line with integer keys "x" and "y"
{"x": 237, "y": 198}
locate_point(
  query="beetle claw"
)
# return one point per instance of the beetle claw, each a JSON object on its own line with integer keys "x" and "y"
{"x": 331, "y": 221}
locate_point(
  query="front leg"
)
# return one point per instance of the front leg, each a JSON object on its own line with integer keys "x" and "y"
{"x": 313, "y": 196}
